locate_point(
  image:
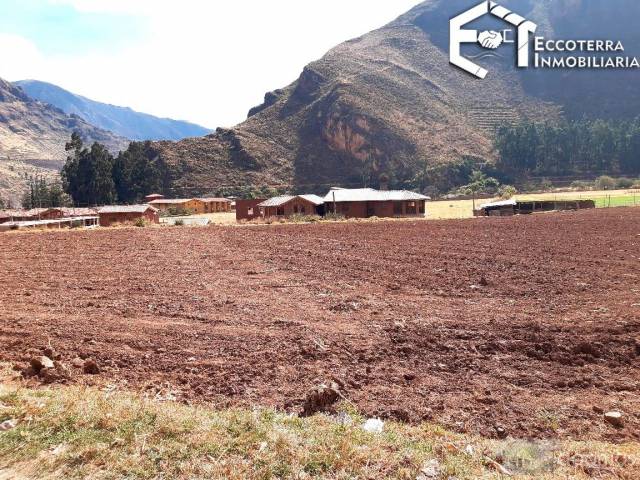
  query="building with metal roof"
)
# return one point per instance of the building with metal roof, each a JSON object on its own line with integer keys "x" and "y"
{"x": 123, "y": 214}
{"x": 367, "y": 202}
{"x": 288, "y": 205}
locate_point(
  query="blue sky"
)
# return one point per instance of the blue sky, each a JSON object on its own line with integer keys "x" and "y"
{"x": 62, "y": 29}
{"x": 206, "y": 61}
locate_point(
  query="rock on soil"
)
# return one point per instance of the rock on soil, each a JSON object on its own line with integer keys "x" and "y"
{"x": 91, "y": 367}
{"x": 40, "y": 363}
{"x": 321, "y": 399}
{"x": 615, "y": 419}
{"x": 8, "y": 425}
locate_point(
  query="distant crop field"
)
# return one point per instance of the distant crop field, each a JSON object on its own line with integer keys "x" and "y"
{"x": 457, "y": 209}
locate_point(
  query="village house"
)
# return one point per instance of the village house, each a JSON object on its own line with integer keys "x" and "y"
{"x": 367, "y": 202}
{"x": 122, "y": 214}
{"x": 193, "y": 205}
{"x": 288, "y": 205}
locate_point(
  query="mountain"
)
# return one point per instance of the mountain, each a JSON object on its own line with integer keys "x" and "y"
{"x": 120, "y": 120}
{"x": 33, "y": 136}
{"x": 389, "y": 103}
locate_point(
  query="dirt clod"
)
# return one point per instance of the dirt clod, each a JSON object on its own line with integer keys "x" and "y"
{"x": 40, "y": 363}
{"x": 321, "y": 399}
{"x": 91, "y": 367}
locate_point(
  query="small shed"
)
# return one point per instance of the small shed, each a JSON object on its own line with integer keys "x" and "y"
{"x": 289, "y": 205}
{"x": 504, "y": 208}
{"x": 122, "y": 214}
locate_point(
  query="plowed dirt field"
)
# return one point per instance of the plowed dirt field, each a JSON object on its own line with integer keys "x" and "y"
{"x": 525, "y": 326}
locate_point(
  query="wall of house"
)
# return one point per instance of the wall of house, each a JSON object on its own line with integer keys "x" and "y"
{"x": 297, "y": 206}
{"x": 379, "y": 209}
{"x": 248, "y": 209}
{"x": 216, "y": 207}
{"x": 109, "y": 219}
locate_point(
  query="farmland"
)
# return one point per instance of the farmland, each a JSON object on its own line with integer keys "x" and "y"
{"x": 453, "y": 209}
{"x": 524, "y": 326}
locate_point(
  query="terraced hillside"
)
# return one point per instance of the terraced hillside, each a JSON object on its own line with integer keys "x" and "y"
{"x": 389, "y": 102}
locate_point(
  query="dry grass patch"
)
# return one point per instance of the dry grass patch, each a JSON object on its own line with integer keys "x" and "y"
{"x": 74, "y": 432}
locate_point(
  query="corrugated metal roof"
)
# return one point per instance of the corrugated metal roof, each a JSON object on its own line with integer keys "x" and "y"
{"x": 126, "y": 209}
{"x": 503, "y": 203}
{"x": 281, "y": 200}
{"x": 173, "y": 201}
{"x": 371, "y": 195}
{"x": 78, "y": 212}
{"x": 208, "y": 200}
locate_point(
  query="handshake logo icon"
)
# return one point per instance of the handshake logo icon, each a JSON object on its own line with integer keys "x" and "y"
{"x": 490, "y": 39}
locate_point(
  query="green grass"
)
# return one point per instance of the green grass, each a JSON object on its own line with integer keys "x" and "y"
{"x": 75, "y": 432}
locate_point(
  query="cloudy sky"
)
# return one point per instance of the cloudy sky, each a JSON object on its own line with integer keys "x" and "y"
{"x": 206, "y": 61}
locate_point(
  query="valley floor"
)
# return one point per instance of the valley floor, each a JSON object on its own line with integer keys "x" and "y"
{"x": 522, "y": 326}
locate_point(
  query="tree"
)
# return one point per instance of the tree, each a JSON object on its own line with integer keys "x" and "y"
{"x": 41, "y": 194}
{"x": 88, "y": 174}
{"x": 138, "y": 172}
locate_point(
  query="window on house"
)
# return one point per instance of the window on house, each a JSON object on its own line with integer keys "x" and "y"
{"x": 280, "y": 212}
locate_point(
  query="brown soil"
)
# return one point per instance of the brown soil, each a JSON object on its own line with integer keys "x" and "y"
{"x": 526, "y": 326}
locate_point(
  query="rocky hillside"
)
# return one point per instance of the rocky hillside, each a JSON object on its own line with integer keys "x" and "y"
{"x": 32, "y": 138}
{"x": 389, "y": 102}
{"x": 120, "y": 120}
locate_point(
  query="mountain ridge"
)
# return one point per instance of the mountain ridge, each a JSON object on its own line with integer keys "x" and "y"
{"x": 33, "y": 135}
{"x": 123, "y": 121}
{"x": 389, "y": 104}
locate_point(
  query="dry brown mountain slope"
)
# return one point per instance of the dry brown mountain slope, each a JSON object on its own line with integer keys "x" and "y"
{"x": 382, "y": 103}
{"x": 389, "y": 101}
{"x": 33, "y": 136}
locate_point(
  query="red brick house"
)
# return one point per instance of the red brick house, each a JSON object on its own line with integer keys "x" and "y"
{"x": 367, "y": 202}
{"x": 288, "y": 205}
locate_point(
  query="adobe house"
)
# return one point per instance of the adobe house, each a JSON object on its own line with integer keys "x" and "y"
{"x": 122, "y": 214}
{"x": 367, "y": 202}
{"x": 248, "y": 209}
{"x": 31, "y": 215}
{"x": 185, "y": 204}
{"x": 288, "y": 205}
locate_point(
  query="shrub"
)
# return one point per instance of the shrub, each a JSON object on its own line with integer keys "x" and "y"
{"x": 546, "y": 185}
{"x": 179, "y": 223}
{"x": 606, "y": 182}
{"x": 141, "y": 223}
{"x": 582, "y": 185}
{"x": 334, "y": 217}
{"x": 624, "y": 183}
{"x": 507, "y": 192}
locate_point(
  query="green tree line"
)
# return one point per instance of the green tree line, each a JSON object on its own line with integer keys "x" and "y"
{"x": 92, "y": 176}
{"x": 41, "y": 194}
{"x": 570, "y": 148}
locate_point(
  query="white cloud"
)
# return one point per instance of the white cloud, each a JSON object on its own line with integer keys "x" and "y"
{"x": 203, "y": 61}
